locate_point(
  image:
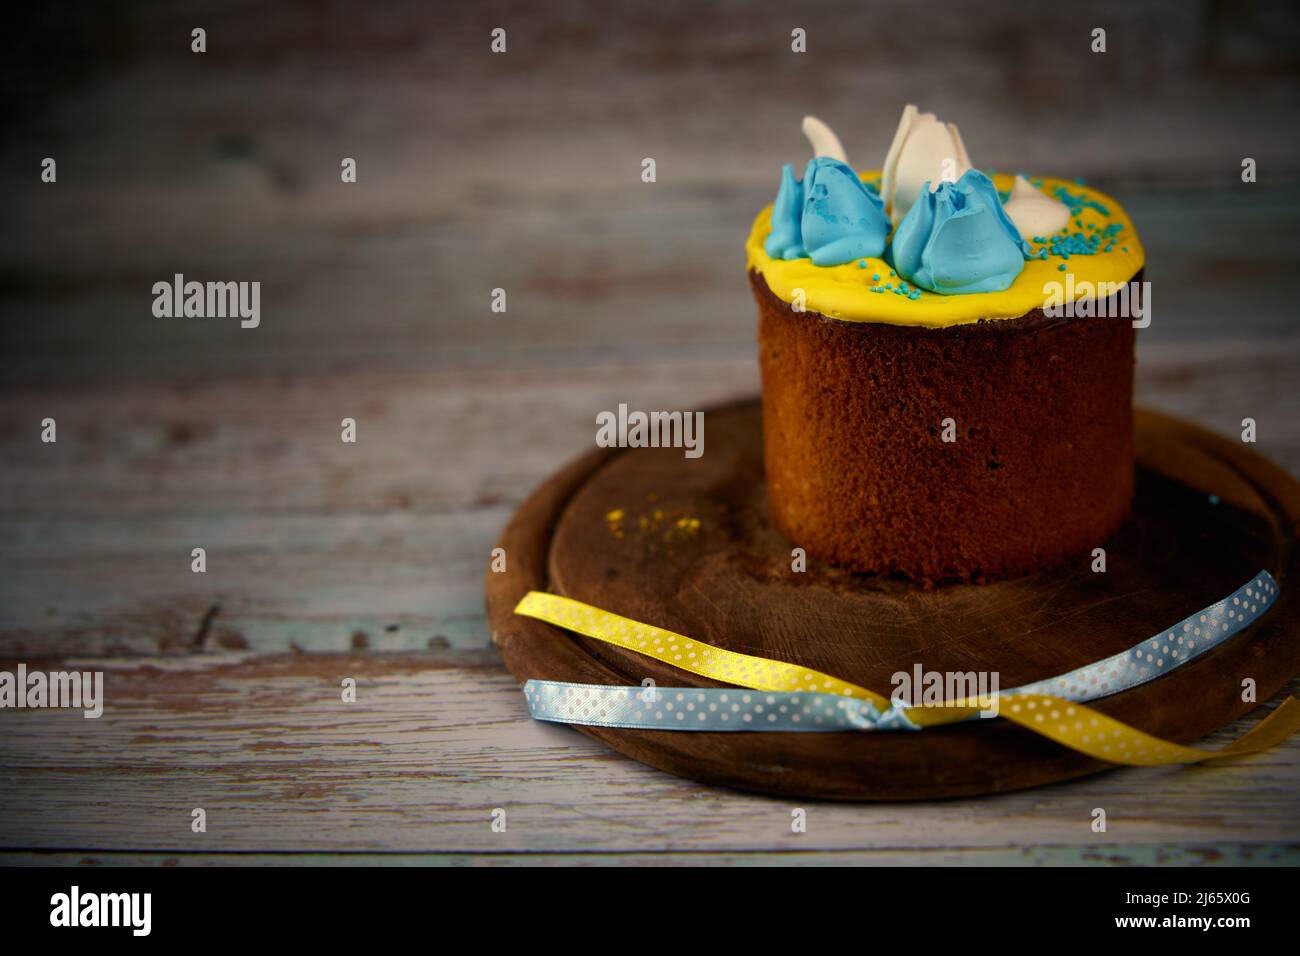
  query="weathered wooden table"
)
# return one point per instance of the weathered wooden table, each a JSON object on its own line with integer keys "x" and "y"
{"x": 328, "y": 560}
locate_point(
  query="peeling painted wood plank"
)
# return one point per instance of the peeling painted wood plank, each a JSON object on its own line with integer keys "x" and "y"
{"x": 279, "y": 583}
{"x": 1104, "y": 855}
{"x": 452, "y": 441}
{"x": 645, "y": 278}
{"x": 447, "y": 442}
{"x": 426, "y": 753}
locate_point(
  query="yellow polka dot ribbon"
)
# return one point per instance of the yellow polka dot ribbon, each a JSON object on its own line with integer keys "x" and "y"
{"x": 743, "y": 670}
{"x": 802, "y": 690}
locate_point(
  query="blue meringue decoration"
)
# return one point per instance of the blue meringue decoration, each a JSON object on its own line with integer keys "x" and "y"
{"x": 842, "y": 220}
{"x": 785, "y": 240}
{"x": 958, "y": 239}
{"x": 831, "y": 216}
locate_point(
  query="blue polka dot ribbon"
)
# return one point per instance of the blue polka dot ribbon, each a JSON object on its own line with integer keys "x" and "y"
{"x": 778, "y": 696}
{"x": 705, "y": 708}
{"x": 1189, "y": 638}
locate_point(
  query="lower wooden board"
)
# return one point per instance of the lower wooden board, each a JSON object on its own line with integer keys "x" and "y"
{"x": 1105, "y": 854}
{"x": 1208, "y": 515}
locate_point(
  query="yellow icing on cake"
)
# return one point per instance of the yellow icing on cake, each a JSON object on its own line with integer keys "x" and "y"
{"x": 844, "y": 292}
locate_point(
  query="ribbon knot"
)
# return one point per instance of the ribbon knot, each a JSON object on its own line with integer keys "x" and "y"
{"x": 865, "y": 715}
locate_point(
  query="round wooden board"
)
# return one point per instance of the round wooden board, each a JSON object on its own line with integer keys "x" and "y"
{"x": 1208, "y": 514}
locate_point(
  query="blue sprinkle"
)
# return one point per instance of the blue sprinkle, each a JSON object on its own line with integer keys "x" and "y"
{"x": 1078, "y": 202}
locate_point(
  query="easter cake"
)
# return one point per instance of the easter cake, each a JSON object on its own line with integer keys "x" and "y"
{"x": 947, "y": 360}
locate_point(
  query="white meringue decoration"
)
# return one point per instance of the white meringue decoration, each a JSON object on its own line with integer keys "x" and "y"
{"x": 823, "y": 139}
{"x": 1034, "y": 212}
{"x": 924, "y": 150}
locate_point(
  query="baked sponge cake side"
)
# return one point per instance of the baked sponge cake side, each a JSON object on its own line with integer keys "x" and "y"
{"x": 947, "y": 363}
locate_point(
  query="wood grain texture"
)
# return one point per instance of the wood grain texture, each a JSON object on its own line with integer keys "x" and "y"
{"x": 1101, "y": 855}
{"x": 420, "y": 760}
{"x": 327, "y": 559}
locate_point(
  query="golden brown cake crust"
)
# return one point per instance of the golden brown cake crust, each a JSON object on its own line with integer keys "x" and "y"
{"x": 857, "y": 474}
